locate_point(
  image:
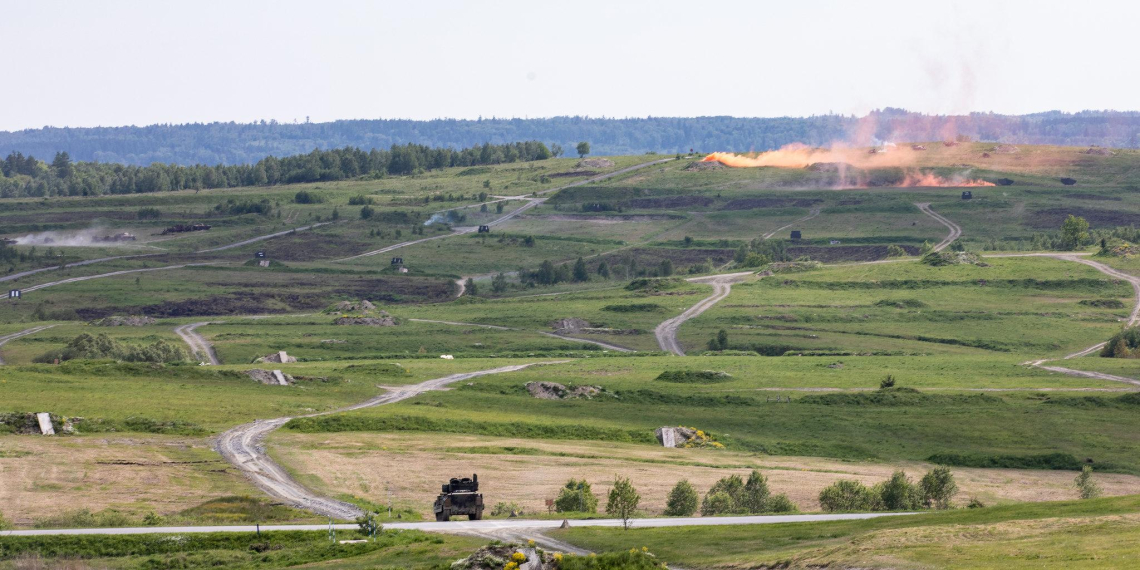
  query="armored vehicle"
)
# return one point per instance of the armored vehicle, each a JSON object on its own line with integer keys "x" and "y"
{"x": 459, "y": 497}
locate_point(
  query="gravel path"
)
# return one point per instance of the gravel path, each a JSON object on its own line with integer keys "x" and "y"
{"x": 13, "y": 336}
{"x": 811, "y": 214}
{"x": 198, "y": 344}
{"x": 243, "y": 446}
{"x": 955, "y": 229}
{"x": 666, "y": 332}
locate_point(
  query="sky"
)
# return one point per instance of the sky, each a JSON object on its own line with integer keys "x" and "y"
{"x": 109, "y": 63}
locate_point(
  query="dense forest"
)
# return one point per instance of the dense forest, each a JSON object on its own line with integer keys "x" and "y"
{"x": 24, "y": 175}
{"x": 238, "y": 143}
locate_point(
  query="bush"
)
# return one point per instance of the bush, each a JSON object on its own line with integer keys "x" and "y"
{"x": 1057, "y": 461}
{"x": 149, "y": 213}
{"x": 1087, "y": 488}
{"x": 895, "y": 251}
{"x": 1123, "y": 344}
{"x": 898, "y": 493}
{"x": 682, "y": 501}
{"x": 634, "y": 308}
{"x": 888, "y": 382}
{"x": 1103, "y": 303}
{"x": 628, "y": 560}
{"x": 717, "y": 503}
{"x": 306, "y": 197}
{"x": 502, "y": 509}
{"x": 846, "y": 496}
{"x": 726, "y": 496}
{"x": 360, "y": 200}
{"x": 938, "y": 488}
{"x": 576, "y": 497}
{"x": 755, "y": 497}
{"x": 623, "y": 500}
{"x": 86, "y": 346}
{"x": 366, "y": 212}
{"x": 780, "y": 504}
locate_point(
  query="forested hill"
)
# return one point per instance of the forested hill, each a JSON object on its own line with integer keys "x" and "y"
{"x": 238, "y": 143}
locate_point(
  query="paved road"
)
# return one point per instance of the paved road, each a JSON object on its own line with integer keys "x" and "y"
{"x": 13, "y": 336}
{"x": 811, "y": 214}
{"x": 467, "y": 526}
{"x": 243, "y": 446}
{"x": 198, "y": 344}
{"x": 722, "y": 285}
{"x": 955, "y": 229}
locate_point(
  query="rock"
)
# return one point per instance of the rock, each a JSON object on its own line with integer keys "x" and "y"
{"x": 1100, "y": 151}
{"x": 496, "y": 555}
{"x": 556, "y": 391}
{"x": 280, "y": 357}
{"x": 570, "y": 325}
{"x": 565, "y": 524}
{"x": 674, "y": 436}
{"x": 353, "y": 307}
{"x": 836, "y": 365}
{"x": 271, "y": 377}
{"x": 447, "y": 357}
{"x": 132, "y": 321}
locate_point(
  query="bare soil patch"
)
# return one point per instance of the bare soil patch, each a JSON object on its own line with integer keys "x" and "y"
{"x": 669, "y": 202}
{"x": 702, "y": 166}
{"x": 595, "y": 163}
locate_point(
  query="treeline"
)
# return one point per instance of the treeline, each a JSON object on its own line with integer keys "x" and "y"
{"x": 24, "y": 176}
{"x": 238, "y": 143}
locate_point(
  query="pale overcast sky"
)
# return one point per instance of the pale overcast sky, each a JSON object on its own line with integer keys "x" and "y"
{"x": 87, "y": 63}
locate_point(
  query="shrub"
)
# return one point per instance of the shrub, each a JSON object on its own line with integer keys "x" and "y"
{"x": 716, "y": 504}
{"x": 682, "y": 501}
{"x": 93, "y": 347}
{"x": 888, "y": 382}
{"x": 360, "y": 200}
{"x": 901, "y": 303}
{"x": 1123, "y": 344}
{"x": 1087, "y": 488}
{"x": 1058, "y": 461}
{"x": 576, "y": 496}
{"x": 754, "y": 498}
{"x": 898, "y": 493}
{"x": 634, "y": 308}
{"x": 938, "y": 488}
{"x": 975, "y": 503}
{"x": 306, "y": 197}
{"x": 846, "y": 496}
{"x": 780, "y": 504}
{"x": 895, "y": 251}
{"x": 366, "y": 212}
{"x": 753, "y": 259}
{"x": 1103, "y": 303}
{"x": 502, "y": 509}
{"x": 149, "y": 213}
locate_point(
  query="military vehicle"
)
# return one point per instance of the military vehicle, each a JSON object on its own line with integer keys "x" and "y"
{"x": 459, "y": 497}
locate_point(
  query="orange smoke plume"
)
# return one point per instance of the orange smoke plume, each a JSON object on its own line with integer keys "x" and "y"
{"x": 921, "y": 179}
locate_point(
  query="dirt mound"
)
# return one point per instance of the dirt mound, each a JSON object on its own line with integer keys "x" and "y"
{"x": 570, "y": 325}
{"x": 573, "y": 174}
{"x": 268, "y": 376}
{"x": 827, "y": 254}
{"x": 595, "y": 163}
{"x": 351, "y": 307}
{"x": 830, "y": 167}
{"x": 701, "y": 166}
{"x": 754, "y": 203}
{"x": 951, "y": 258}
{"x": 556, "y": 391}
{"x": 131, "y": 321}
{"x": 1005, "y": 149}
{"x": 279, "y": 357}
{"x": 1099, "y": 150}
{"x": 382, "y": 321}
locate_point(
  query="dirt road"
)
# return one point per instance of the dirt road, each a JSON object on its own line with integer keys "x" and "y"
{"x": 955, "y": 229}
{"x": 811, "y": 214}
{"x": 101, "y": 275}
{"x": 13, "y": 336}
{"x": 722, "y": 285}
{"x": 264, "y": 237}
{"x": 243, "y": 446}
{"x": 199, "y": 346}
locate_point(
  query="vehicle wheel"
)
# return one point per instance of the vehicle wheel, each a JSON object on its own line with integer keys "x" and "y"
{"x": 476, "y": 515}
{"x": 442, "y": 517}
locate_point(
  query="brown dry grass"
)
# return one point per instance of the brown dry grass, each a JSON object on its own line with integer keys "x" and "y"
{"x": 414, "y": 465}
{"x": 40, "y": 477}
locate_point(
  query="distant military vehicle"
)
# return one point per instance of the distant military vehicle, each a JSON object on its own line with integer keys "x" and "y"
{"x": 459, "y": 497}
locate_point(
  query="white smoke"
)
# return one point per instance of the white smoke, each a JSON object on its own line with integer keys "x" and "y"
{"x": 82, "y": 238}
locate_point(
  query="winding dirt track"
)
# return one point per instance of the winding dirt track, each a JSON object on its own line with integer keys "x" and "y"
{"x": 198, "y": 344}
{"x": 13, "y": 336}
{"x": 955, "y": 229}
{"x": 666, "y": 332}
{"x": 811, "y": 214}
{"x": 243, "y": 446}
{"x": 101, "y": 275}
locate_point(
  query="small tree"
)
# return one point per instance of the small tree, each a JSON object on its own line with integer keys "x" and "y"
{"x": 604, "y": 270}
{"x": 925, "y": 248}
{"x": 469, "y": 287}
{"x": 1087, "y": 488}
{"x": 581, "y": 273}
{"x": 888, "y": 382}
{"x": 720, "y": 342}
{"x": 938, "y": 488}
{"x": 4, "y": 524}
{"x": 895, "y": 251}
{"x": 682, "y": 501}
{"x": 754, "y": 499}
{"x": 666, "y": 268}
{"x": 583, "y": 149}
{"x": 576, "y": 496}
{"x": 623, "y": 501}
{"x": 368, "y": 525}
{"x": 717, "y": 503}
{"x": 367, "y": 212}
{"x": 688, "y": 241}
{"x": 499, "y": 283}
{"x": 1074, "y": 232}
{"x": 499, "y": 207}
{"x": 732, "y": 489}
{"x": 555, "y": 150}
{"x": 336, "y": 213}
